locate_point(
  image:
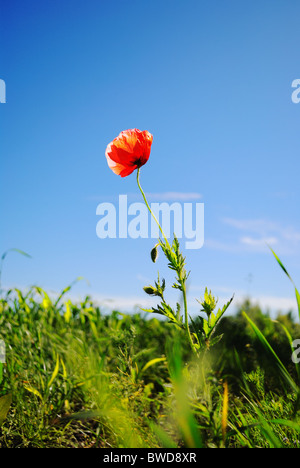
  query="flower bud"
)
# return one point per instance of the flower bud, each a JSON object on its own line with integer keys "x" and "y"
{"x": 150, "y": 290}
{"x": 154, "y": 254}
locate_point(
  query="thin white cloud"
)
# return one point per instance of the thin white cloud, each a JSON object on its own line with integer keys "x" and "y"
{"x": 290, "y": 234}
{"x": 263, "y": 227}
{"x": 143, "y": 279}
{"x": 154, "y": 196}
{"x": 257, "y": 235}
{"x": 230, "y": 247}
{"x": 266, "y": 302}
{"x": 125, "y": 303}
{"x": 175, "y": 196}
{"x": 257, "y": 226}
{"x": 260, "y": 243}
{"x": 272, "y": 303}
{"x": 216, "y": 289}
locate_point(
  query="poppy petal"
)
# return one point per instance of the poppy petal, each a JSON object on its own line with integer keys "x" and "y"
{"x": 115, "y": 167}
{"x": 128, "y": 151}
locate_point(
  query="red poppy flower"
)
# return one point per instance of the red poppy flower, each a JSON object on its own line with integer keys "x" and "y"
{"x": 129, "y": 151}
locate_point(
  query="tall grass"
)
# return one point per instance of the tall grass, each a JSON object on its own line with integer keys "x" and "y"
{"x": 75, "y": 377}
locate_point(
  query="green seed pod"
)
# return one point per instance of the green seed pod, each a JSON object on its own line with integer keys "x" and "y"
{"x": 154, "y": 254}
{"x": 150, "y": 290}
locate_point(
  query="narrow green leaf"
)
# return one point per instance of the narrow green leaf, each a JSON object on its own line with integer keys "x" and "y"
{"x": 270, "y": 350}
{"x": 68, "y": 312}
{"x": 34, "y": 391}
{"x": 290, "y": 339}
{"x": 55, "y": 372}
{"x": 280, "y": 263}
{"x": 5, "y": 402}
{"x": 152, "y": 362}
{"x": 67, "y": 289}
{"x": 286, "y": 422}
{"x": 15, "y": 250}
{"x": 286, "y": 272}
{"x": 298, "y": 300}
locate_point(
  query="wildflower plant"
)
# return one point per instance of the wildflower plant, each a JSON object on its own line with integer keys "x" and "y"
{"x": 129, "y": 152}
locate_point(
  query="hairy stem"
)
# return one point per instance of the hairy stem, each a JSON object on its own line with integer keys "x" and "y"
{"x": 182, "y": 282}
{"x": 186, "y": 317}
{"x": 148, "y": 206}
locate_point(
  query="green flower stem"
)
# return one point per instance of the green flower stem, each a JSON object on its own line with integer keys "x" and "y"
{"x": 186, "y": 318}
{"x": 182, "y": 282}
{"x": 148, "y": 206}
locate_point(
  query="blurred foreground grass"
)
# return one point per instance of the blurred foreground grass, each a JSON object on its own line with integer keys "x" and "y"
{"x": 74, "y": 377}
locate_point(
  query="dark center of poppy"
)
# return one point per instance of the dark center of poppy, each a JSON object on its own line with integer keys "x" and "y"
{"x": 138, "y": 162}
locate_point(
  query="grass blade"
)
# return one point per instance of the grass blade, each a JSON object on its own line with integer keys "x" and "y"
{"x": 55, "y": 372}
{"x": 286, "y": 272}
{"x": 225, "y": 412}
{"x": 270, "y": 350}
{"x": 4, "y": 256}
{"x": 34, "y": 391}
{"x": 152, "y": 363}
{"x": 5, "y": 402}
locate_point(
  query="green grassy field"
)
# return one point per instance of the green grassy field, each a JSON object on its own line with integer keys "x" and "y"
{"x": 75, "y": 377}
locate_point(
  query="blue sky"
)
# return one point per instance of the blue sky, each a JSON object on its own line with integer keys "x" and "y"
{"x": 211, "y": 80}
